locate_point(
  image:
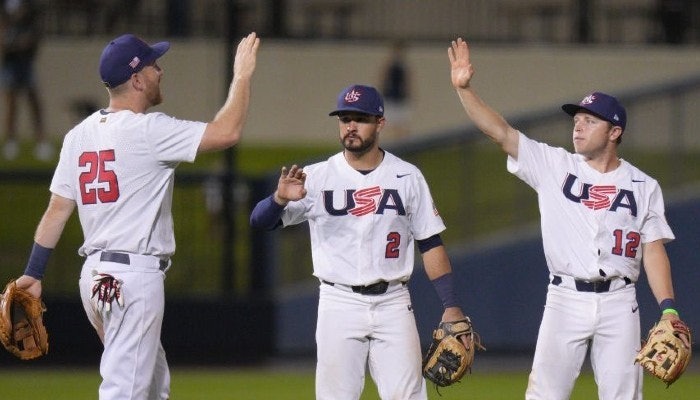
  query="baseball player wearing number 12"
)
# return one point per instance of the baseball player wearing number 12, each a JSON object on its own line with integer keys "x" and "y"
{"x": 600, "y": 217}
{"x": 365, "y": 208}
{"x": 118, "y": 167}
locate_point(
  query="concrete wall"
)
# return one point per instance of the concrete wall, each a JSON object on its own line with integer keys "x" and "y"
{"x": 297, "y": 82}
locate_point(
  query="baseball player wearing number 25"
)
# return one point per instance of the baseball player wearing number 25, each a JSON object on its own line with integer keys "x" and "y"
{"x": 600, "y": 217}
{"x": 118, "y": 167}
{"x": 366, "y": 208}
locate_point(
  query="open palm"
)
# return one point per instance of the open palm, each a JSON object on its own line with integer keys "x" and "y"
{"x": 461, "y": 68}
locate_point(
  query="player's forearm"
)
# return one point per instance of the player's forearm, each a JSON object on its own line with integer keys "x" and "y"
{"x": 488, "y": 120}
{"x": 436, "y": 262}
{"x": 658, "y": 270}
{"x": 48, "y": 232}
{"x": 51, "y": 226}
{"x": 266, "y": 214}
{"x": 226, "y": 129}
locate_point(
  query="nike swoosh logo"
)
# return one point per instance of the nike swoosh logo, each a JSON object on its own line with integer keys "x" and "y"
{"x": 635, "y": 180}
{"x": 401, "y": 175}
{"x": 634, "y": 309}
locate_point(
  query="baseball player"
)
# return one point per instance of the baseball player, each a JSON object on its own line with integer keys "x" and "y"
{"x": 117, "y": 166}
{"x": 366, "y": 208}
{"x": 600, "y": 217}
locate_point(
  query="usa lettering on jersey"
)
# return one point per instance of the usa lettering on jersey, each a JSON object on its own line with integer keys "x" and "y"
{"x": 359, "y": 202}
{"x": 597, "y": 197}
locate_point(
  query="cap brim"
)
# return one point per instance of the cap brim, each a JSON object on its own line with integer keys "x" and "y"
{"x": 351, "y": 109}
{"x": 572, "y": 109}
{"x": 160, "y": 48}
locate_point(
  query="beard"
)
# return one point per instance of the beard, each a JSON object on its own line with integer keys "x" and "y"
{"x": 153, "y": 94}
{"x": 357, "y": 145}
{"x": 155, "y": 97}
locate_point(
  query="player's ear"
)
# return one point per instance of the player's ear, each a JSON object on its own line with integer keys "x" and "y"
{"x": 381, "y": 121}
{"x": 615, "y": 133}
{"x": 136, "y": 82}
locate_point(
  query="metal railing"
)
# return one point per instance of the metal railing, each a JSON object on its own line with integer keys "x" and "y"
{"x": 474, "y": 193}
{"x": 542, "y": 21}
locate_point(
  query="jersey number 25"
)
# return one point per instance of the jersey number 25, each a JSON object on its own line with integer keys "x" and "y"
{"x": 97, "y": 173}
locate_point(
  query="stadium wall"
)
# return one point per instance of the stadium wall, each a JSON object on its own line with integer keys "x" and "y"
{"x": 297, "y": 81}
{"x": 502, "y": 286}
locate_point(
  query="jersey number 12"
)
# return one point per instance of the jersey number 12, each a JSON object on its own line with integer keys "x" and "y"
{"x": 633, "y": 239}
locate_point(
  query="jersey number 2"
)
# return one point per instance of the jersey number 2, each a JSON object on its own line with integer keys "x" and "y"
{"x": 98, "y": 173}
{"x": 392, "y": 246}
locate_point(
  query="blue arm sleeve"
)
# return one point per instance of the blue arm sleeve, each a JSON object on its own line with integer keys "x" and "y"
{"x": 427, "y": 244}
{"x": 266, "y": 214}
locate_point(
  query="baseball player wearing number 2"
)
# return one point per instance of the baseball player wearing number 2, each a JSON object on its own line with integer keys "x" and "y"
{"x": 600, "y": 217}
{"x": 366, "y": 208}
{"x": 118, "y": 167}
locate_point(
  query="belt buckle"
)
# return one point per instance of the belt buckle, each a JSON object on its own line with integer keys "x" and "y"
{"x": 373, "y": 289}
{"x": 115, "y": 257}
{"x": 598, "y": 286}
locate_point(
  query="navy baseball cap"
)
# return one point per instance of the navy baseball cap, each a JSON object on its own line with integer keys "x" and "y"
{"x": 601, "y": 105}
{"x": 360, "y": 98}
{"x": 125, "y": 56}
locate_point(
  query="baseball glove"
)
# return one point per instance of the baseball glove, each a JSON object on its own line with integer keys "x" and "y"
{"x": 447, "y": 359}
{"x": 664, "y": 354}
{"x": 22, "y": 330}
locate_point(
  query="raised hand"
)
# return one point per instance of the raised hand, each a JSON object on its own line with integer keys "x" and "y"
{"x": 246, "y": 55}
{"x": 461, "y": 68}
{"x": 291, "y": 185}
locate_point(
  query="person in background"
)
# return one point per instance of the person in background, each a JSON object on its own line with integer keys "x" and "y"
{"x": 20, "y": 36}
{"x": 396, "y": 87}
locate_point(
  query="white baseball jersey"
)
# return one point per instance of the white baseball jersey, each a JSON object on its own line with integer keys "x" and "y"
{"x": 591, "y": 221}
{"x": 119, "y": 168}
{"x": 363, "y": 226}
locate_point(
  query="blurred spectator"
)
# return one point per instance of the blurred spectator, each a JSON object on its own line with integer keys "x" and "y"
{"x": 397, "y": 92}
{"x": 674, "y": 16}
{"x": 178, "y": 21}
{"x": 124, "y": 11}
{"x": 20, "y": 34}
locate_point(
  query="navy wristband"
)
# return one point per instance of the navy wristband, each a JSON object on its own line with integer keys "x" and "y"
{"x": 666, "y": 304}
{"x": 445, "y": 288}
{"x": 38, "y": 259}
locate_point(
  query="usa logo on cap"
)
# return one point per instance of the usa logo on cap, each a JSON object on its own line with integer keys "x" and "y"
{"x": 602, "y": 105}
{"x": 588, "y": 99}
{"x": 352, "y": 96}
{"x": 359, "y": 98}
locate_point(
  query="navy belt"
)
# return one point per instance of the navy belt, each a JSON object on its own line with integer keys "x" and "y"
{"x": 123, "y": 258}
{"x": 369, "y": 290}
{"x": 590, "y": 286}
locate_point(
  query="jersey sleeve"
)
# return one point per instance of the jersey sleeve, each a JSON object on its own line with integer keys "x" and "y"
{"x": 531, "y": 156}
{"x": 172, "y": 139}
{"x": 425, "y": 218}
{"x": 655, "y": 227}
{"x": 61, "y": 183}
